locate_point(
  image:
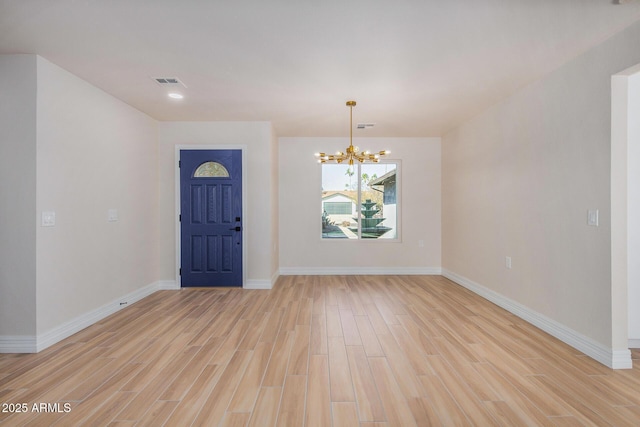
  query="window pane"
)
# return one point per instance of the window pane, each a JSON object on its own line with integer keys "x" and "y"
{"x": 211, "y": 169}
{"x": 339, "y": 196}
{"x": 338, "y": 208}
{"x": 378, "y": 207}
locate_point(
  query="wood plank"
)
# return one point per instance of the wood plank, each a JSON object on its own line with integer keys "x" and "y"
{"x": 235, "y": 419}
{"x": 334, "y": 325}
{"x": 443, "y": 402}
{"x": 344, "y": 414}
{"x": 299, "y": 359}
{"x": 214, "y": 408}
{"x": 258, "y": 323}
{"x": 417, "y": 360}
{"x": 147, "y": 395}
{"x": 318, "y": 338}
{"x": 245, "y": 395}
{"x": 498, "y": 388}
{"x": 401, "y": 367}
{"x": 318, "y": 412}
{"x": 368, "y": 336}
{"x": 395, "y": 404}
{"x": 272, "y": 327}
{"x": 369, "y": 405}
{"x": 339, "y": 374}
{"x": 158, "y": 413}
{"x": 423, "y": 411}
{"x": 305, "y": 312}
{"x": 349, "y": 328}
{"x": 181, "y": 384}
{"x": 376, "y": 319}
{"x": 291, "y": 411}
{"x": 113, "y": 405}
{"x": 277, "y": 367}
{"x": 267, "y": 407}
{"x": 291, "y": 316}
{"x": 192, "y": 402}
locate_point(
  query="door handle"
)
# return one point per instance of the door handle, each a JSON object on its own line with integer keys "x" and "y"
{"x": 236, "y": 228}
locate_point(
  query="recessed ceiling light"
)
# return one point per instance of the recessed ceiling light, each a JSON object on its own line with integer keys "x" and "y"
{"x": 175, "y": 95}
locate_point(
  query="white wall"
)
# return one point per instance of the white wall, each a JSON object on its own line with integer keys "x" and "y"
{"x": 301, "y": 248}
{"x": 257, "y": 137}
{"x": 94, "y": 153}
{"x": 17, "y": 195}
{"x": 518, "y": 181}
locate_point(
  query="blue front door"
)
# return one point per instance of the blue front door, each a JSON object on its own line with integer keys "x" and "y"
{"x": 211, "y": 217}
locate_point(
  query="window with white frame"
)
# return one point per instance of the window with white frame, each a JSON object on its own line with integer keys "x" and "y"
{"x": 360, "y": 201}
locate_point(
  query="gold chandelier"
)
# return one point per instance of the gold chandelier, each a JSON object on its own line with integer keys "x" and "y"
{"x": 352, "y": 152}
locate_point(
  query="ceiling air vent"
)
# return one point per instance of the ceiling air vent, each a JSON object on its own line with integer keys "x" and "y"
{"x": 365, "y": 125}
{"x": 169, "y": 82}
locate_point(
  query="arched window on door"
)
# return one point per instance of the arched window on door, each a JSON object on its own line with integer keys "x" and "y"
{"x": 211, "y": 170}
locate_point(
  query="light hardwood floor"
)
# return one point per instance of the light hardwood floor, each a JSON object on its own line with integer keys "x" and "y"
{"x": 318, "y": 351}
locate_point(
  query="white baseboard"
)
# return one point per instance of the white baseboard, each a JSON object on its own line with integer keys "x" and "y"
{"x": 262, "y": 284}
{"x": 615, "y": 359}
{"x": 35, "y": 344}
{"x": 634, "y": 343}
{"x": 349, "y": 271}
{"x": 258, "y": 284}
{"x": 168, "y": 285}
{"x": 18, "y": 344}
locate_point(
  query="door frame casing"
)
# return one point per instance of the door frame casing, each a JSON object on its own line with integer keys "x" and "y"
{"x": 624, "y": 244}
{"x": 245, "y": 227}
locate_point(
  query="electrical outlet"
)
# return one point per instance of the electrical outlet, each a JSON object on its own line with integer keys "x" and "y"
{"x": 48, "y": 219}
{"x": 508, "y": 262}
{"x": 592, "y": 217}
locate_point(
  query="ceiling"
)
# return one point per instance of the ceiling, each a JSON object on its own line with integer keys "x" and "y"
{"x": 415, "y": 67}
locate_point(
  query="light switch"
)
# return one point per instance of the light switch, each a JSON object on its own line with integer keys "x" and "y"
{"x": 592, "y": 217}
{"x": 112, "y": 215}
{"x": 48, "y": 219}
